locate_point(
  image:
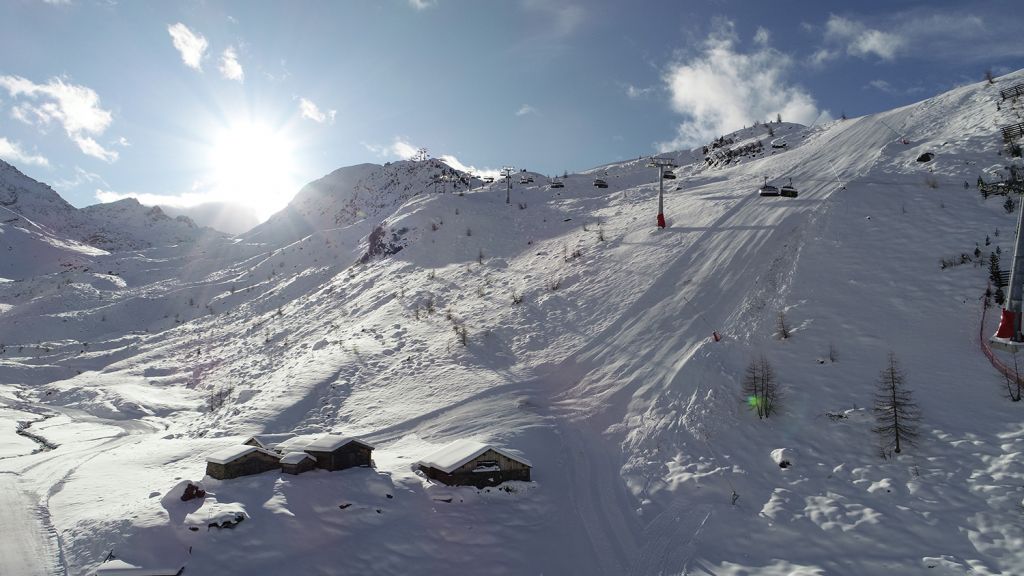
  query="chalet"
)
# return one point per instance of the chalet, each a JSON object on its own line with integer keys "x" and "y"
{"x": 268, "y": 441}
{"x": 297, "y": 463}
{"x": 336, "y": 452}
{"x": 240, "y": 460}
{"x": 470, "y": 463}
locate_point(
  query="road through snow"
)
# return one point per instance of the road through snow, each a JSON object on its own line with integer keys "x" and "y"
{"x": 31, "y": 549}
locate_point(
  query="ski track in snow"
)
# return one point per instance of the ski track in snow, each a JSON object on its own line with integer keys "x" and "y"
{"x": 29, "y": 547}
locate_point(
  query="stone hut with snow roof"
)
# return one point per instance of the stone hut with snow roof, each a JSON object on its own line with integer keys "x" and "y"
{"x": 268, "y": 441}
{"x": 471, "y": 463}
{"x": 240, "y": 460}
{"x": 336, "y": 452}
{"x": 297, "y": 463}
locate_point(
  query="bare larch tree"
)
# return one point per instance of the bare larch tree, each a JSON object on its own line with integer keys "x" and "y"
{"x": 896, "y": 414}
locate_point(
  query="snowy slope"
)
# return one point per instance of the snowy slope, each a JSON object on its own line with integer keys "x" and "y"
{"x": 563, "y": 326}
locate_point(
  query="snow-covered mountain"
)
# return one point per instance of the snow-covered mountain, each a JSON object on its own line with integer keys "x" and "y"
{"x": 228, "y": 217}
{"x": 564, "y": 326}
{"x": 114, "y": 227}
{"x": 362, "y": 193}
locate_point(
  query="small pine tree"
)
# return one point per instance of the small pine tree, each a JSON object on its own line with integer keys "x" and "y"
{"x": 989, "y": 77}
{"x": 1000, "y": 296}
{"x": 896, "y": 414}
{"x": 778, "y": 118}
{"x": 1009, "y": 205}
{"x": 993, "y": 269}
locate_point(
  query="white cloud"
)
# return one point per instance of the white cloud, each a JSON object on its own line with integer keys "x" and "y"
{"x": 229, "y": 66}
{"x": 822, "y": 56}
{"x": 422, "y": 4}
{"x": 81, "y": 177}
{"x": 762, "y": 36}
{"x": 93, "y": 148}
{"x": 12, "y": 152}
{"x": 400, "y": 148}
{"x": 881, "y": 85}
{"x": 311, "y": 111}
{"x": 403, "y": 149}
{"x": 526, "y": 109}
{"x": 720, "y": 90}
{"x": 859, "y": 40}
{"x": 183, "y": 200}
{"x": 565, "y": 17}
{"x": 192, "y": 46}
{"x": 480, "y": 172}
{"x": 636, "y": 93}
{"x": 76, "y": 108}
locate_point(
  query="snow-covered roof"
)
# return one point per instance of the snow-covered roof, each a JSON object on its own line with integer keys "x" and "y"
{"x": 460, "y": 451}
{"x": 295, "y": 444}
{"x": 331, "y": 442}
{"x": 295, "y": 457}
{"x": 122, "y": 568}
{"x": 269, "y": 441}
{"x": 232, "y": 453}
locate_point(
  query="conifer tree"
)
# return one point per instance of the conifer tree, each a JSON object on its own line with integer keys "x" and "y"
{"x": 896, "y": 414}
{"x": 993, "y": 269}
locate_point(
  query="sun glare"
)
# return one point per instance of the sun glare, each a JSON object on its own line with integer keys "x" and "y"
{"x": 253, "y": 165}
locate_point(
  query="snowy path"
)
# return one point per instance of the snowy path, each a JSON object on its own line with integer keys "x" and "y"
{"x": 30, "y": 548}
{"x": 601, "y": 501}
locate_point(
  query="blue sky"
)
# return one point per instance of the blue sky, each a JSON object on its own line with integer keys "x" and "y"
{"x": 181, "y": 102}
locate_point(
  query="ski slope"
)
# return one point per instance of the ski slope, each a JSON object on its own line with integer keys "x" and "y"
{"x": 588, "y": 349}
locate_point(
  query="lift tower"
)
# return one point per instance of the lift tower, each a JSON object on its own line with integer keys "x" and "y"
{"x": 506, "y": 171}
{"x": 661, "y": 164}
{"x": 1009, "y": 336}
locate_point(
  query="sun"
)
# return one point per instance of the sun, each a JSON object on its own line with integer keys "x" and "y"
{"x": 253, "y": 164}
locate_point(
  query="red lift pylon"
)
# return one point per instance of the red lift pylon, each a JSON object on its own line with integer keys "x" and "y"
{"x": 661, "y": 164}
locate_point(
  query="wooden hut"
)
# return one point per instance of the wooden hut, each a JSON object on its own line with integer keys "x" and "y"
{"x": 268, "y": 441}
{"x": 240, "y": 460}
{"x": 471, "y": 463}
{"x": 336, "y": 452}
{"x": 297, "y": 463}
